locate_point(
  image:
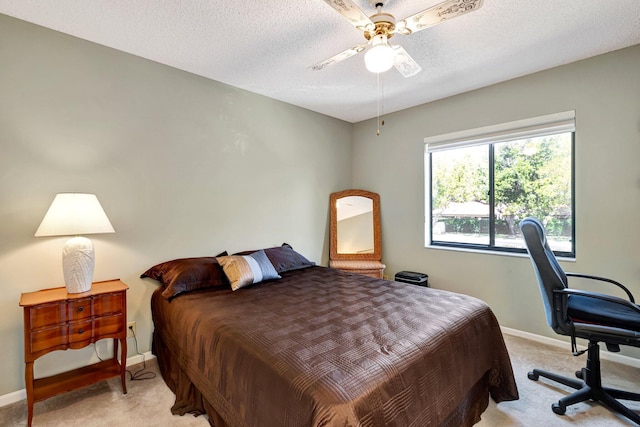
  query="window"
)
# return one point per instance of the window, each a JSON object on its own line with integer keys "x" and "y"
{"x": 482, "y": 183}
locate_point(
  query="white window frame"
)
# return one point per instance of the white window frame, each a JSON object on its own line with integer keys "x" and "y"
{"x": 520, "y": 129}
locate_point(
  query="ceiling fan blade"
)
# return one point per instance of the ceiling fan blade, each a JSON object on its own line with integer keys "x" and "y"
{"x": 405, "y": 63}
{"x": 354, "y": 15}
{"x": 448, "y": 9}
{"x": 339, "y": 57}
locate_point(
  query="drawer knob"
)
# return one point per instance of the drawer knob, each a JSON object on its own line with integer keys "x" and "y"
{"x": 81, "y": 331}
{"x": 80, "y": 309}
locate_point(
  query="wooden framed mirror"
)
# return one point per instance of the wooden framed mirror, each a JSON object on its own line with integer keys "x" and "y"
{"x": 355, "y": 240}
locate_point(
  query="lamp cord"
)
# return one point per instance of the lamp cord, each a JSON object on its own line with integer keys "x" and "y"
{"x": 140, "y": 374}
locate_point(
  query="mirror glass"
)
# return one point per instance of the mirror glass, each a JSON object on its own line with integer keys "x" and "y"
{"x": 354, "y": 225}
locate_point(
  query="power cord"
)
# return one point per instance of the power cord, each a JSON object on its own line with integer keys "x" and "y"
{"x": 138, "y": 375}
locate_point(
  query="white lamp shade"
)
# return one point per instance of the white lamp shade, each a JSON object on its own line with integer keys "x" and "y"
{"x": 380, "y": 57}
{"x": 74, "y": 214}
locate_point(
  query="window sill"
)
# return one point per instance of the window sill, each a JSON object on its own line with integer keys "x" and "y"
{"x": 489, "y": 252}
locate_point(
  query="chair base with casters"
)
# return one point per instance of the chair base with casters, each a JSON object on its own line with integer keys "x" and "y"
{"x": 578, "y": 313}
{"x": 589, "y": 387}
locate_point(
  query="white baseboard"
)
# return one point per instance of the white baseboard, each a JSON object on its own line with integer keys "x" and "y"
{"x": 10, "y": 398}
{"x": 606, "y": 355}
{"x": 139, "y": 358}
{"x": 19, "y": 395}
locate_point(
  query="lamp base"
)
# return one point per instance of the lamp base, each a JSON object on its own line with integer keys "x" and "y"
{"x": 78, "y": 260}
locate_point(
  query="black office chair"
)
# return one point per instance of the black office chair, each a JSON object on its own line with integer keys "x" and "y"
{"x": 577, "y": 313}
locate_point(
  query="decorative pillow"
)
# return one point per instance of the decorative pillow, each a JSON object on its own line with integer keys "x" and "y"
{"x": 188, "y": 274}
{"x": 244, "y": 270}
{"x": 284, "y": 258}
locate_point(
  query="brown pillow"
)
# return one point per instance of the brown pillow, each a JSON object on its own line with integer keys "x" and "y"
{"x": 284, "y": 258}
{"x": 188, "y": 274}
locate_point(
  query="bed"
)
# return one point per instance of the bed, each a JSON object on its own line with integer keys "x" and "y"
{"x": 323, "y": 347}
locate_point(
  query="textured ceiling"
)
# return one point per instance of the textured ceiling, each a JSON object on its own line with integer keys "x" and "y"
{"x": 267, "y": 47}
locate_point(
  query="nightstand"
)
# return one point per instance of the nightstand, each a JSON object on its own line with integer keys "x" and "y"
{"x": 57, "y": 320}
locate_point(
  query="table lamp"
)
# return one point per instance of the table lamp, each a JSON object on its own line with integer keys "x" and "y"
{"x": 76, "y": 214}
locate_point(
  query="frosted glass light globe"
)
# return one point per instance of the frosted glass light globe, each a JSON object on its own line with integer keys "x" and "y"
{"x": 380, "y": 57}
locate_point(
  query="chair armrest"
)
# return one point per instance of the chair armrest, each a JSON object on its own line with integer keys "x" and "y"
{"x": 604, "y": 279}
{"x": 595, "y": 295}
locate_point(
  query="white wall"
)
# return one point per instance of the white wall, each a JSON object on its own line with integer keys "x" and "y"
{"x": 605, "y": 92}
{"x": 182, "y": 165}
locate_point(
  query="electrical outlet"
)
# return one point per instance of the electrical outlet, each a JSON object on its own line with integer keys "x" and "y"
{"x": 131, "y": 329}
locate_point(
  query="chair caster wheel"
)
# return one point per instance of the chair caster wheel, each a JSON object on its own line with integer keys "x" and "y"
{"x": 558, "y": 409}
{"x": 533, "y": 376}
{"x": 579, "y": 375}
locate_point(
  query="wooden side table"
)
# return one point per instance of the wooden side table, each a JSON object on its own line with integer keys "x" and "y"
{"x": 57, "y": 320}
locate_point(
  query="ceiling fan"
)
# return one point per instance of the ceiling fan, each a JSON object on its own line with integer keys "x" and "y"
{"x": 381, "y": 26}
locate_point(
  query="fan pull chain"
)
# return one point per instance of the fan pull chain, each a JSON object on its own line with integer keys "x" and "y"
{"x": 380, "y": 103}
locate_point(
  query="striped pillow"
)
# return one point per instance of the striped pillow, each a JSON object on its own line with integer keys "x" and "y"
{"x": 244, "y": 270}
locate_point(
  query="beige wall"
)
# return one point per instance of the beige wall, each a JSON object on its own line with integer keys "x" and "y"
{"x": 605, "y": 93}
{"x": 183, "y": 166}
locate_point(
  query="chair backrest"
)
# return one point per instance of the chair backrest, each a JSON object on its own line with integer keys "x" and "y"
{"x": 548, "y": 271}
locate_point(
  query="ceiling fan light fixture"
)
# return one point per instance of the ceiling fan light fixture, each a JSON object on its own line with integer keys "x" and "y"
{"x": 380, "y": 57}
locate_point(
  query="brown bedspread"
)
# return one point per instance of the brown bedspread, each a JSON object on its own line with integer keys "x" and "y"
{"x": 321, "y": 347}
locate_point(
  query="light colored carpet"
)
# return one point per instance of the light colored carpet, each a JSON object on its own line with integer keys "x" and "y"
{"x": 533, "y": 409}
{"x": 148, "y": 402}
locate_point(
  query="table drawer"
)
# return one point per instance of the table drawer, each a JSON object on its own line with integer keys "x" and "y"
{"x": 108, "y": 325}
{"x": 79, "y": 309}
{"x": 47, "y": 315}
{"x": 80, "y": 331}
{"x": 49, "y": 338}
{"x": 108, "y": 303}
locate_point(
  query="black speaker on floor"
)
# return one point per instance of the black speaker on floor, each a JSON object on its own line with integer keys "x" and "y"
{"x": 420, "y": 279}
